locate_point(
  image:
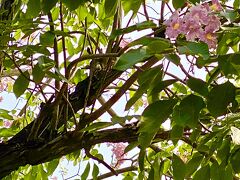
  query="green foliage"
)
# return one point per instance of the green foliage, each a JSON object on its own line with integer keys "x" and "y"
{"x": 153, "y": 116}
{"x": 21, "y": 84}
{"x": 64, "y": 59}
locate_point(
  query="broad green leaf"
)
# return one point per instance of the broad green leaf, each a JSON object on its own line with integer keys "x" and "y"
{"x": 174, "y": 58}
{"x": 33, "y": 8}
{"x": 47, "y": 5}
{"x": 95, "y": 172}
{"x": 145, "y": 81}
{"x": 234, "y": 160}
{"x": 141, "y": 158}
{"x": 158, "y": 87}
{"x": 21, "y": 84}
{"x": 229, "y": 64}
{"x": 187, "y": 112}
{"x": 52, "y": 165}
{"x": 38, "y": 74}
{"x": 133, "y": 5}
{"x": 178, "y": 3}
{"x": 5, "y": 114}
{"x": 7, "y": 132}
{"x": 73, "y": 4}
{"x": 130, "y": 58}
{"x": 203, "y": 173}
{"x": 195, "y": 48}
{"x": 176, "y": 133}
{"x": 193, "y": 164}
{"x": 47, "y": 39}
{"x": 198, "y": 86}
{"x": 45, "y": 63}
{"x": 86, "y": 172}
{"x": 179, "y": 87}
{"x": 110, "y": 7}
{"x": 153, "y": 116}
{"x": 220, "y": 97}
{"x": 224, "y": 151}
{"x": 179, "y": 168}
{"x": 146, "y": 40}
{"x": 236, "y": 4}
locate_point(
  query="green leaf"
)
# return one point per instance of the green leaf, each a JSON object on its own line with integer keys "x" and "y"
{"x": 176, "y": 133}
{"x": 158, "y": 87}
{"x": 52, "y": 165}
{"x": 174, "y": 58}
{"x": 7, "y": 132}
{"x": 198, "y": 86}
{"x": 234, "y": 160}
{"x": 130, "y": 58}
{"x": 179, "y": 168}
{"x": 47, "y": 39}
{"x": 229, "y": 64}
{"x": 85, "y": 174}
{"x": 224, "y": 151}
{"x": 220, "y": 97}
{"x": 178, "y": 3}
{"x": 73, "y": 4}
{"x": 195, "y": 48}
{"x": 38, "y": 74}
{"x": 153, "y": 116}
{"x": 187, "y": 112}
{"x": 21, "y": 84}
{"x": 47, "y": 5}
{"x": 95, "y": 172}
{"x": 110, "y": 7}
{"x": 33, "y": 8}
{"x": 133, "y": 5}
{"x": 203, "y": 173}
{"x": 236, "y": 4}
{"x": 141, "y": 158}
{"x": 145, "y": 80}
{"x": 193, "y": 164}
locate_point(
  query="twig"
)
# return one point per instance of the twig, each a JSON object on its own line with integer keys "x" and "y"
{"x": 119, "y": 171}
{"x": 101, "y": 161}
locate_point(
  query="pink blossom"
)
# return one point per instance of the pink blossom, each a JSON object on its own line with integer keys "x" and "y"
{"x": 118, "y": 152}
{"x": 1, "y": 98}
{"x": 216, "y": 6}
{"x": 174, "y": 25}
{"x": 197, "y": 24}
{"x": 7, "y": 124}
{"x": 210, "y": 38}
{"x": 213, "y": 23}
{"x": 199, "y": 13}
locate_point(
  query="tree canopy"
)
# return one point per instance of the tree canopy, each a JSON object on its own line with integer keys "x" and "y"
{"x": 175, "y": 62}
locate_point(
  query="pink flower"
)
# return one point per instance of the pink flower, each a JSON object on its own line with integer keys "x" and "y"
{"x": 199, "y": 13}
{"x": 1, "y": 98}
{"x": 174, "y": 25}
{"x": 213, "y": 23}
{"x": 216, "y": 6}
{"x": 118, "y": 152}
{"x": 7, "y": 124}
{"x": 210, "y": 38}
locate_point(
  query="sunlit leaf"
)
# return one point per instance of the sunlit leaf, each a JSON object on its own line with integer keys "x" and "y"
{"x": 153, "y": 116}
{"x": 220, "y": 97}
{"x": 21, "y": 84}
{"x": 195, "y": 48}
{"x": 179, "y": 168}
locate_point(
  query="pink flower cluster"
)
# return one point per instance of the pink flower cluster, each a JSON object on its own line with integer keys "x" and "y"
{"x": 118, "y": 152}
{"x": 200, "y": 23}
